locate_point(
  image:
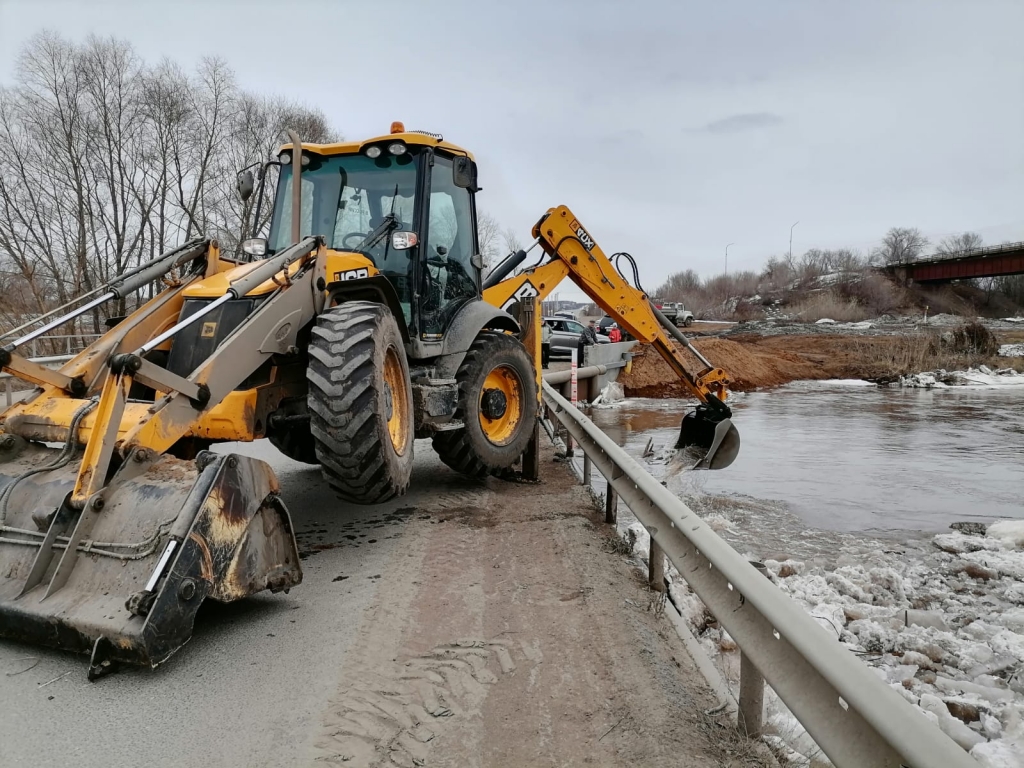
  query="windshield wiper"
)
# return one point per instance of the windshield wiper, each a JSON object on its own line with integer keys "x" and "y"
{"x": 381, "y": 233}
{"x": 383, "y": 230}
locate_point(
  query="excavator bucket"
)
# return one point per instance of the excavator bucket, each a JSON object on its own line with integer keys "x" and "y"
{"x": 715, "y": 440}
{"x": 123, "y": 579}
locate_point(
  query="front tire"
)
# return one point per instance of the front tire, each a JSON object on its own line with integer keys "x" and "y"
{"x": 360, "y": 402}
{"x": 497, "y": 404}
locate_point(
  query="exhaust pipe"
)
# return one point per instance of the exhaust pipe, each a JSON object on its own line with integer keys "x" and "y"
{"x": 296, "y": 185}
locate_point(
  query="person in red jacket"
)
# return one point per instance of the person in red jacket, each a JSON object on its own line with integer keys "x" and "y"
{"x": 614, "y": 334}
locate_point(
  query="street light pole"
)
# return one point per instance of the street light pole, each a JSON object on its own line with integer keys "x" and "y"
{"x": 727, "y": 259}
{"x": 791, "y": 240}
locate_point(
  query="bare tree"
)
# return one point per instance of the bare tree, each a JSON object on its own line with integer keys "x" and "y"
{"x": 510, "y": 239}
{"x": 106, "y": 161}
{"x": 959, "y": 245}
{"x": 489, "y": 238}
{"x": 900, "y": 246}
{"x": 680, "y": 286}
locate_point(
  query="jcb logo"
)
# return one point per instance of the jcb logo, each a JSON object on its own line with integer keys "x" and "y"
{"x": 352, "y": 274}
{"x": 583, "y": 235}
{"x": 524, "y": 291}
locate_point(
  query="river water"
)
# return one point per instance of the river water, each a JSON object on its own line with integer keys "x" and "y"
{"x": 853, "y": 457}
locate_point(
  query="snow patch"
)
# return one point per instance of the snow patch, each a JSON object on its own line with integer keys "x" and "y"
{"x": 975, "y": 378}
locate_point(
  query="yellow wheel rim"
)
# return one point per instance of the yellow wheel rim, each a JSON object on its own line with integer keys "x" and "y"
{"x": 501, "y": 405}
{"x": 401, "y": 410}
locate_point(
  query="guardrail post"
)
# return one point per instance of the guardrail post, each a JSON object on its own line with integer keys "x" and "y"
{"x": 656, "y": 567}
{"x": 531, "y": 457}
{"x": 751, "y": 703}
{"x": 751, "y": 698}
{"x": 586, "y": 469}
{"x": 611, "y": 505}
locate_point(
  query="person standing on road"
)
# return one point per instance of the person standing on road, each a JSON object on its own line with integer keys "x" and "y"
{"x": 614, "y": 334}
{"x": 587, "y": 339}
{"x": 545, "y": 344}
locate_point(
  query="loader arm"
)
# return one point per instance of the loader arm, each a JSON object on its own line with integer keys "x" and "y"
{"x": 573, "y": 253}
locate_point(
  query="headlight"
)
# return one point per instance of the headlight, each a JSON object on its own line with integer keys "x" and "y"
{"x": 285, "y": 158}
{"x": 398, "y": 148}
{"x": 255, "y": 246}
{"x": 373, "y": 152}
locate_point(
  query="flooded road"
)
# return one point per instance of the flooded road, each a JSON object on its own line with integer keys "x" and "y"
{"x": 848, "y": 457}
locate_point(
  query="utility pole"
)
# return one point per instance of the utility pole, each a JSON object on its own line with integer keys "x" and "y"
{"x": 727, "y": 259}
{"x": 791, "y": 240}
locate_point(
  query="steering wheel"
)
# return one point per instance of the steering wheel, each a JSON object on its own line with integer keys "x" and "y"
{"x": 350, "y": 235}
{"x": 439, "y": 263}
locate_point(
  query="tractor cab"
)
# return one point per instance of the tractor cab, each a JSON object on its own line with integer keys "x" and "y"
{"x": 398, "y": 207}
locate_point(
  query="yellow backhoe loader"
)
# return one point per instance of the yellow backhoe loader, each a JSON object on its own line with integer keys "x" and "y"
{"x": 356, "y": 326}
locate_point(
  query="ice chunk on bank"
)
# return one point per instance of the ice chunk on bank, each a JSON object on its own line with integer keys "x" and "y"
{"x": 1009, "y": 532}
{"x": 1011, "y": 350}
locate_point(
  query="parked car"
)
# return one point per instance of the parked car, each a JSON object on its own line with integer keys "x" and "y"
{"x": 565, "y": 336}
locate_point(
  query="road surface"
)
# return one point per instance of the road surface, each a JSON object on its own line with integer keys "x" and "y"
{"x": 465, "y": 624}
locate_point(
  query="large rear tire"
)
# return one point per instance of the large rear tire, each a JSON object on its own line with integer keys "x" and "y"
{"x": 497, "y": 404}
{"x": 360, "y": 402}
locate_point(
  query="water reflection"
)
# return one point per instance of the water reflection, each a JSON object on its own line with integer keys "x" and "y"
{"x": 861, "y": 458}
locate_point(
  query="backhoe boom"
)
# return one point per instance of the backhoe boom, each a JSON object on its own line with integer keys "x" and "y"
{"x": 572, "y": 252}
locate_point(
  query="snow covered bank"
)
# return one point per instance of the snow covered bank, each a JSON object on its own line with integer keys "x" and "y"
{"x": 1011, "y": 350}
{"x": 982, "y": 377}
{"x": 945, "y": 630}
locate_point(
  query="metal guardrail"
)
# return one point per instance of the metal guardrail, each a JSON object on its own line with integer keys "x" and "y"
{"x": 54, "y": 361}
{"x": 987, "y": 250}
{"x": 855, "y": 718}
{"x": 72, "y": 343}
{"x": 939, "y": 256}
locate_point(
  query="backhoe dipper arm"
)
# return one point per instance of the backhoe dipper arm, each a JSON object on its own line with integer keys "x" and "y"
{"x": 573, "y": 253}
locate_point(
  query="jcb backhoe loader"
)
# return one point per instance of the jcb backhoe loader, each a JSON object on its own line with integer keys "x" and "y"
{"x": 356, "y": 326}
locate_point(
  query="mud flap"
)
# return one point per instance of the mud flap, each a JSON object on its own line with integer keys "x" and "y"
{"x": 717, "y": 440}
{"x": 164, "y": 540}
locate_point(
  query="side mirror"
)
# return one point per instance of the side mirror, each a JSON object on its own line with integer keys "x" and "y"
{"x": 246, "y": 185}
{"x": 403, "y": 241}
{"x": 464, "y": 174}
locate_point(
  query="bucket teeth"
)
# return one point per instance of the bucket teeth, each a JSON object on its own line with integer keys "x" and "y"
{"x": 123, "y": 580}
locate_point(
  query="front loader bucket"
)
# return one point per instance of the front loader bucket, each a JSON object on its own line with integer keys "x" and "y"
{"x": 715, "y": 439}
{"x": 163, "y": 541}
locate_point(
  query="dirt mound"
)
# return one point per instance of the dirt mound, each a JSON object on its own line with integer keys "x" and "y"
{"x": 755, "y": 362}
{"x": 749, "y": 367}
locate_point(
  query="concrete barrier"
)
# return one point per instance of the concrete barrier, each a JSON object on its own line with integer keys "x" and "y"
{"x": 602, "y": 354}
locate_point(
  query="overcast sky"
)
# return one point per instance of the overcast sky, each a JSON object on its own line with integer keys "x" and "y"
{"x": 670, "y": 128}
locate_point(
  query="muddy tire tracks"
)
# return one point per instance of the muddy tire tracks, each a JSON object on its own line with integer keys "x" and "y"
{"x": 391, "y": 717}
